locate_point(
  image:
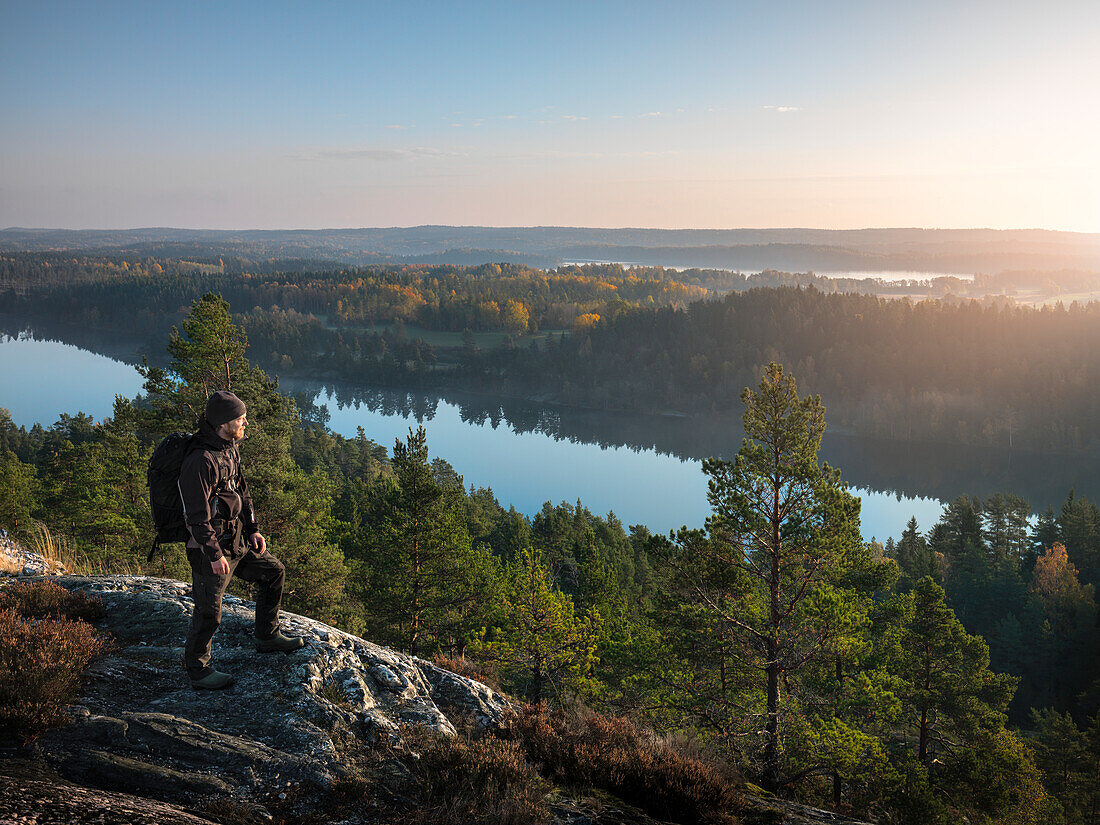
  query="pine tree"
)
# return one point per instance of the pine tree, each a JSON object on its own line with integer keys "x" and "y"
{"x": 1079, "y": 527}
{"x": 783, "y": 531}
{"x": 950, "y": 693}
{"x": 430, "y": 587}
{"x": 17, "y": 495}
{"x": 1044, "y": 534}
{"x": 542, "y": 645}
{"x": 914, "y": 556}
{"x": 1062, "y": 752}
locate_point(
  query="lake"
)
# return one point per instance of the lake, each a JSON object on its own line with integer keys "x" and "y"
{"x": 644, "y": 468}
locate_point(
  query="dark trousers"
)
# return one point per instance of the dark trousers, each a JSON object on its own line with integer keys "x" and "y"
{"x": 266, "y": 572}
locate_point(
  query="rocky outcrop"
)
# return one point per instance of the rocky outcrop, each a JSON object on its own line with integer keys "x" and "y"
{"x": 772, "y": 811}
{"x": 143, "y": 746}
{"x": 139, "y": 724}
{"x": 139, "y": 727}
{"x": 26, "y": 797}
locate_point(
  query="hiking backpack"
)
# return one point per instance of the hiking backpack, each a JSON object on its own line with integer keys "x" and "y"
{"x": 164, "y": 492}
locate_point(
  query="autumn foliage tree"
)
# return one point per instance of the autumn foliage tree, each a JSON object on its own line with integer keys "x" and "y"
{"x": 1067, "y": 635}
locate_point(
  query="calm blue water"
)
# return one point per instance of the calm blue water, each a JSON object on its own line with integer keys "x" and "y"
{"x": 40, "y": 380}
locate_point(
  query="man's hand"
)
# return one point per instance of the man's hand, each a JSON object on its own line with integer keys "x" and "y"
{"x": 220, "y": 567}
{"x": 259, "y": 544}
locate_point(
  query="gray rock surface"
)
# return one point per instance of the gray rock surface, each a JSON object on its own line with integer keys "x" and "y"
{"x": 140, "y": 727}
{"x": 760, "y": 811}
{"x": 31, "y": 799}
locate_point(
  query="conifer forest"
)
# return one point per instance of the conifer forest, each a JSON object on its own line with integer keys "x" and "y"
{"x": 939, "y": 676}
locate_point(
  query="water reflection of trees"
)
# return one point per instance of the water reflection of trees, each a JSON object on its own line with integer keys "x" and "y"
{"x": 901, "y": 468}
{"x": 128, "y": 351}
{"x": 904, "y": 469}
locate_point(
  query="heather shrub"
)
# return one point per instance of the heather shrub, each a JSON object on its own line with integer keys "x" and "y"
{"x": 484, "y": 781}
{"x": 41, "y": 664}
{"x": 47, "y": 600}
{"x": 611, "y": 753}
{"x": 484, "y": 672}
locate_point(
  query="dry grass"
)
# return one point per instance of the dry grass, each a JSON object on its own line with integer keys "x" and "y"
{"x": 85, "y": 565}
{"x": 503, "y": 775}
{"x": 60, "y": 551}
{"x": 42, "y": 660}
{"x": 9, "y": 564}
{"x": 610, "y": 753}
{"x": 57, "y": 550}
{"x": 333, "y": 692}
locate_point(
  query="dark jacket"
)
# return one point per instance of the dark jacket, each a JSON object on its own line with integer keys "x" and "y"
{"x": 216, "y": 504}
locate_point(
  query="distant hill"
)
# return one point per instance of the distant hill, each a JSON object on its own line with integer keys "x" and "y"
{"x": 926, "y": 250}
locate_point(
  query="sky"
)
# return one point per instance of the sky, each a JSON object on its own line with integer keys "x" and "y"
{"x": 278, "y": 115}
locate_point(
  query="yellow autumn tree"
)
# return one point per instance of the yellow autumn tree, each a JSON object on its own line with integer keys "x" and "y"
{"x": 515, "y": 316}
{"x": 585, "y": 322}
{"x": 1065, "y": 602}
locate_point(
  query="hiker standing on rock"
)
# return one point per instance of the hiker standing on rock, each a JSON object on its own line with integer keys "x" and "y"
{"x": 225, "y": 540}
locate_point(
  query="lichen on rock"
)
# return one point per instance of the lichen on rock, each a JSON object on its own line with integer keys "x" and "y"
{"x": 140, "y": 725}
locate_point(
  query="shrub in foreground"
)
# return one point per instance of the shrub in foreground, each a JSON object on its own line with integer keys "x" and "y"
{"x": 484, "y": 781}
{"x": 48, "y": 600}
{"x": 43, "y": 655}
{"x": 611, "y": 753}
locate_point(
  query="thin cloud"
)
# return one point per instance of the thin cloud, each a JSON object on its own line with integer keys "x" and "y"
{"x": 784, "y": 108}
{"x": 395, "y": 126}
{"x": 651, "y": 114}
{"x": 552, "y": 154}
{"x": 376, "y": 153}
{"x": 573, "y": 117}
{"x": 648, "y": 154}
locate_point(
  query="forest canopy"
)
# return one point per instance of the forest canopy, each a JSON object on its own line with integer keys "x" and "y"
{"x": 943, "y": 369}
{"x": 837, "y": 671}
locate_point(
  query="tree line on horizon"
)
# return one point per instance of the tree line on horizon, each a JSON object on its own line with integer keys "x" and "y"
{"x": 841, "y": 672}
{"x": 982, "y": 373}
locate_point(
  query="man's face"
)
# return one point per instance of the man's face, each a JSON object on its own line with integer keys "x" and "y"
{"x": 233, "y": 430}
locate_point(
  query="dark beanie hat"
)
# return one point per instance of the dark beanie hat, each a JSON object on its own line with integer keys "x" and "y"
{"x": 223, "y": 406}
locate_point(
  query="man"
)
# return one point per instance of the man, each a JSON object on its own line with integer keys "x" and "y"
{"x": 225, "y": 541}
